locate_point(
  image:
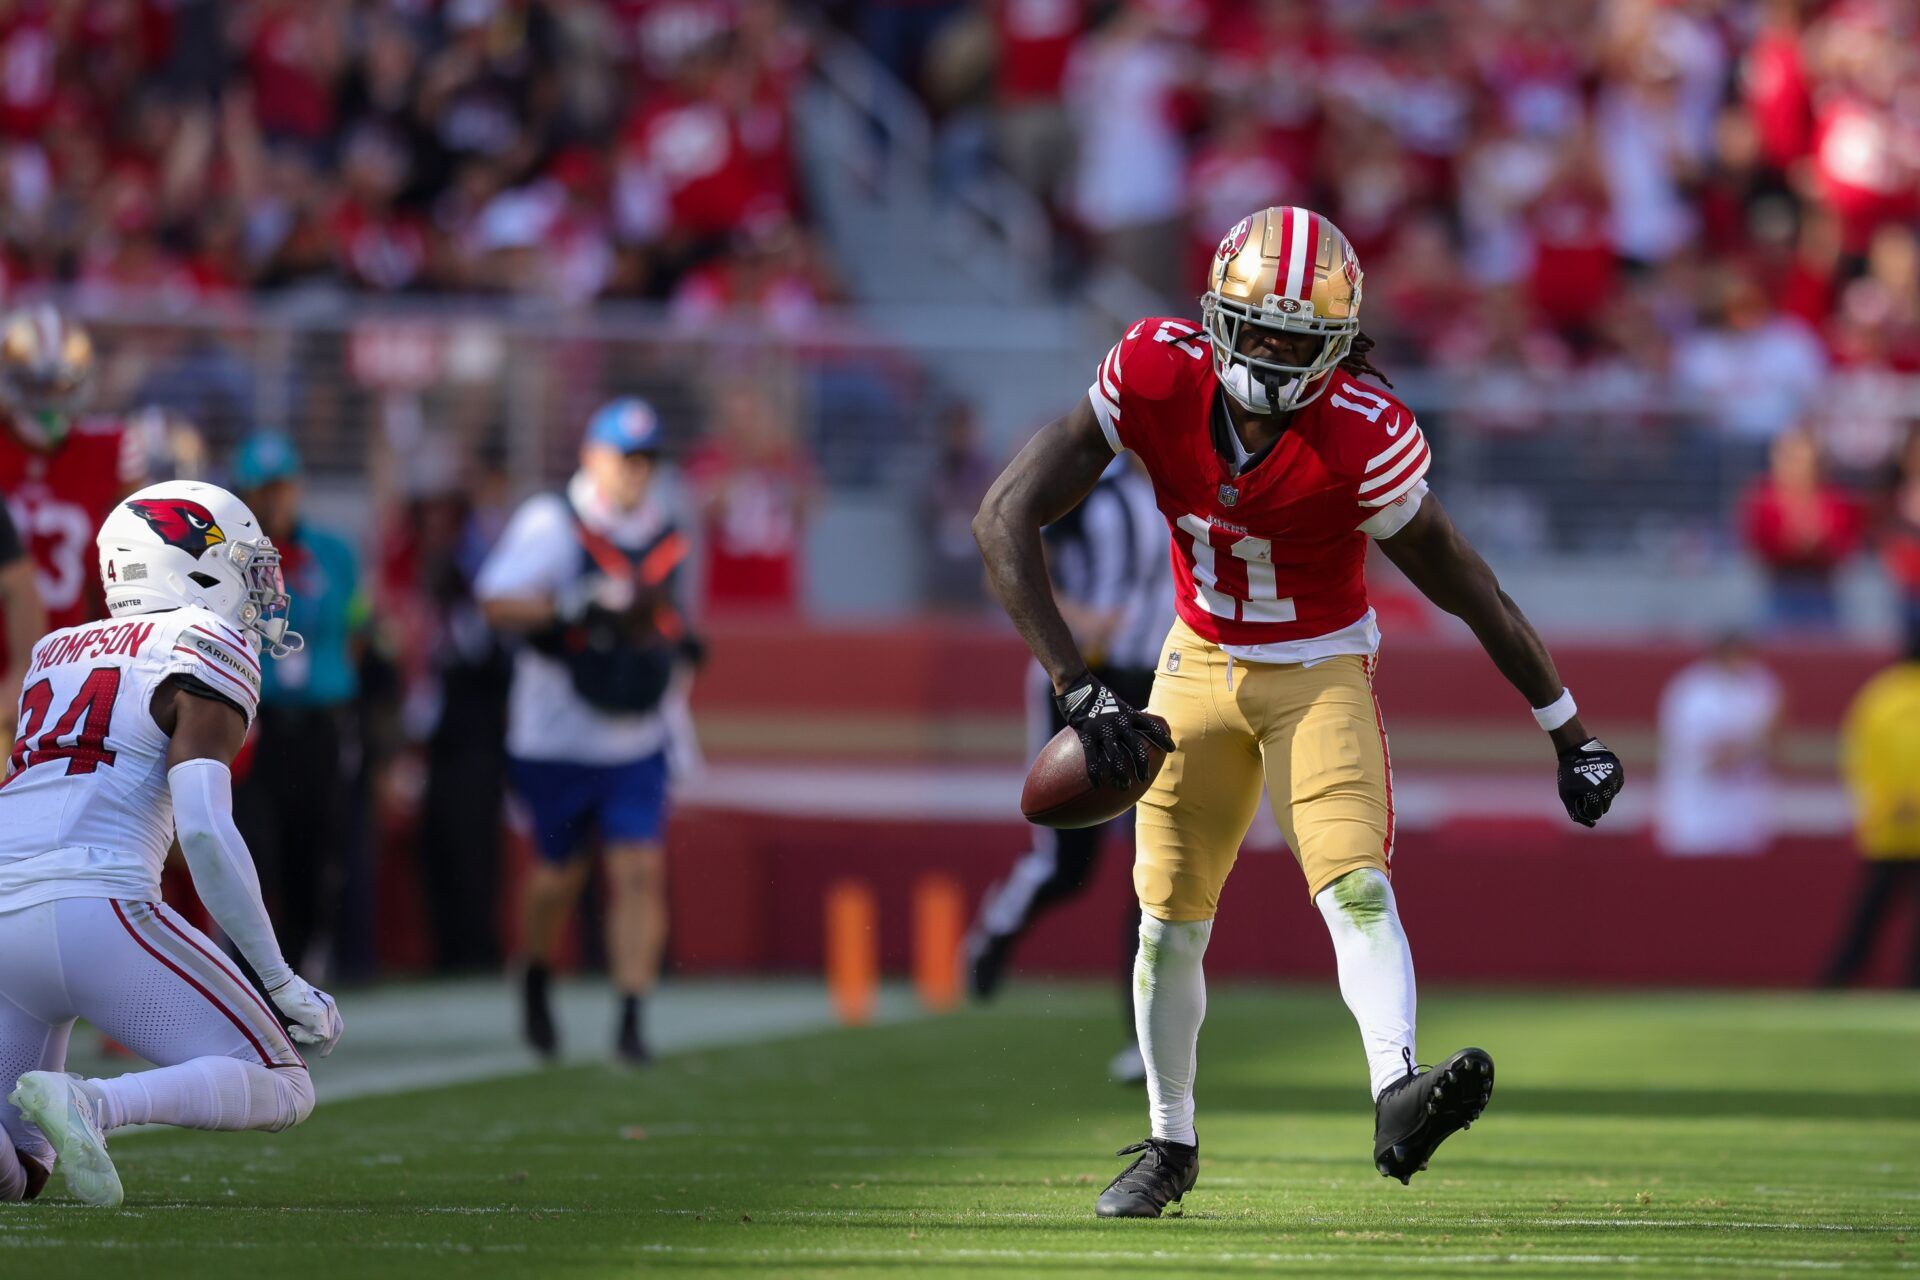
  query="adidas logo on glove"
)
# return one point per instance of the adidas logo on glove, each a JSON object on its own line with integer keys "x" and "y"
{"x": 1595, "y": 771}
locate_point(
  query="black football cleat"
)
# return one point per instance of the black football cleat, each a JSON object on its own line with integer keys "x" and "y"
{"x": 37, "y": 1173}
{"x": 1163, "y": 1172}
{"x": 1426, "y": 1107}
{"x": 536, "y": 1015}
{"x": 986, "y": 961}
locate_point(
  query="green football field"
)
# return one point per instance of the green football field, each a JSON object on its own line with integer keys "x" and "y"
{"x": 1629, "y": 1135}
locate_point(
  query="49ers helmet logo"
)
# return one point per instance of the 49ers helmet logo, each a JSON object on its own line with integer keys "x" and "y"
{"x": 1235, "y": 240}
{"x": 180, "y": 523}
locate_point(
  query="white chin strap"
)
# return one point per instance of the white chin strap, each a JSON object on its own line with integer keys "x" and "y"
{"x": 280, "y": 641}
{"x": 1249, "y": 391}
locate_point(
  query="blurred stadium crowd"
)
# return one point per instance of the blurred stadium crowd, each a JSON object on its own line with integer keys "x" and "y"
{"x": 1687, "y": 228}
{"x": 201, "y": 149}
{"x": 1615, "y": 211}
{"x": 1608, "y": 186}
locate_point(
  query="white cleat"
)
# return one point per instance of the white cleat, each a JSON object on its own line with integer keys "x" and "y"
{"x": 53, "y": 1101}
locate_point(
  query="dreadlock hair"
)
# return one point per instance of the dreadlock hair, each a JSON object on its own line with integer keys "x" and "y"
{"x": 1357, "y": 363}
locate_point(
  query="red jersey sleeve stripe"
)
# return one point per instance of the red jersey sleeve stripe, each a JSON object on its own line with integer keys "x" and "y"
{"x": 1110, "y": 377}
{"x": 1392, "y": 472}
{"x": 250, "y": 660}
{"x": 1393, "y": 451}
{"x": 227, "y": 631}
{"x": 203, "y": 667}
{"x": 1408, "y": 479}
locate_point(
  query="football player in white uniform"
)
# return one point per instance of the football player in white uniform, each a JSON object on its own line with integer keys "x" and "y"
{"x": 127, "y": 728}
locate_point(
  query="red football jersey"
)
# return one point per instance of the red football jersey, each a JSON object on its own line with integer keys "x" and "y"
{"x": 58, "y": 501}
{"x": 1277, "y": 554}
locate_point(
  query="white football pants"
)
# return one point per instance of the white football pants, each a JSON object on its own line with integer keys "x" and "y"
{"x": 154, "y": 983}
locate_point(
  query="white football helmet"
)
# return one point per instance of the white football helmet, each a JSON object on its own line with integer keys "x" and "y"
{"x": 184, "y": 543}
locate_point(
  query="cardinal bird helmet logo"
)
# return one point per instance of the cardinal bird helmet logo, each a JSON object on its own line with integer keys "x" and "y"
{"x": 180, "y": 523}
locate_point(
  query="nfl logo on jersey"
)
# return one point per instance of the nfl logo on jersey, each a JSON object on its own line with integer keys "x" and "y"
{"x": 1229, "y": 494}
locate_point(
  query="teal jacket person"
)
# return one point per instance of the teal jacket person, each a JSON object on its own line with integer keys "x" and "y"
{"x": 321, "y": 573}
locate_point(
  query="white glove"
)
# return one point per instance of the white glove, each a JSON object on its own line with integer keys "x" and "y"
{"x": 316, "y": 1020}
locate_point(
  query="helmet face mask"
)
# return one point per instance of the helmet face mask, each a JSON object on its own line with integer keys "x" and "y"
{"x": 185, "y": 544}
{"x": 1283, "y": 270}
{"x": 265, "y": 601}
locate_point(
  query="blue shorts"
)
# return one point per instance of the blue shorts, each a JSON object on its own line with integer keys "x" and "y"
{"x": 565, "y": 800}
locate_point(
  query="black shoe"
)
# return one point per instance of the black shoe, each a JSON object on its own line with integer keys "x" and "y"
{"x": 631, "y": 1049}
{"x": 630, "y": 1045}
{"x": 536, "y": 1014}
{"x": 37, "y": 1173}
{"x": 987, "y": 955}
{"x": 1418, "y": 1113}
{"x": 1164, "y": 1172}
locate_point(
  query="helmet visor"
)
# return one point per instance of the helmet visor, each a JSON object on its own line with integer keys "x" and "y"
{"x": 266, "y": 606}
{"x": 1287, "y": 386}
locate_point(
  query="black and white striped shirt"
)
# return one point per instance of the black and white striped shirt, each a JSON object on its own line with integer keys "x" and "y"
{"x": 1110, "y": 553}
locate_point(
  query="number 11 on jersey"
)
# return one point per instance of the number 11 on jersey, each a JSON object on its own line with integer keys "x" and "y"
{"x": 1243, "y": 588}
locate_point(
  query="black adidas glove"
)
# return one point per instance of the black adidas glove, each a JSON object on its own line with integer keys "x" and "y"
{"x": 1113, "y": 735}
{"x": 1590, "y": 777}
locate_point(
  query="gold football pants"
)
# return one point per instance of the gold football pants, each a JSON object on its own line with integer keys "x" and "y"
{"x": 1312, "y": 735}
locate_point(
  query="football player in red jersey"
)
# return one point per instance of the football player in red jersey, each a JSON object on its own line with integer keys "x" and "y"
{"x": 1274, "y": 464}
{"x": 61, "y": 476}
{"x": 25, "y": 620}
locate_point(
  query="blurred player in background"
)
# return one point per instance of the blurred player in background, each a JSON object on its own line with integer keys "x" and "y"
{"x": 1880, "y": 763}
{"x": 294, "y": 802}
{"x": 61, "y": 474}
{"x": 1111, "y": 578}
{"x": 26, "y": 620}
{"x": 590, "y": 580}
{"x": 1273, "y": 465}
{"x": 172, "y": 445}
{"x": 1719, "y": 726}
{"x": 128, "y": 729}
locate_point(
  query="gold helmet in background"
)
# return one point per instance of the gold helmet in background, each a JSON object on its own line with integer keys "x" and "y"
{"x": 1284, "y": 269}
{"x": 169, "y": 445}
{"x": 46, "y": 361}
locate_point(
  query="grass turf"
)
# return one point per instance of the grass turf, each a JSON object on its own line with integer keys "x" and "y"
{"x": 1629, "y": 1135}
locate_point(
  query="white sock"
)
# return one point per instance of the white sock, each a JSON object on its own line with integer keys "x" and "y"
{"x": 205, "y": 1093}
{"x": 1376, "y": 969}
{"x": 1169, "y": 1003}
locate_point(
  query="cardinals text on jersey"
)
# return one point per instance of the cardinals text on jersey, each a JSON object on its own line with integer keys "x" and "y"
{"x": 85, "y": 810}
{"x": 1269, "y": 562}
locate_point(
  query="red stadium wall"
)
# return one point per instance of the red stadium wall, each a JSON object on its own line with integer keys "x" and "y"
{"x": 1492, "y": 889}
{"x": 1521, "y": 904}
{"x": 1488, "y": 896}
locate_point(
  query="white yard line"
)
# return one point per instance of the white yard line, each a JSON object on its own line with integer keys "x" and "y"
{"x": 426, "y": 1035}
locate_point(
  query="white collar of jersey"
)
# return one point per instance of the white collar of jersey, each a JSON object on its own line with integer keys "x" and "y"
{"x": 625, "y": 528}
{"x": 1240, "y": 455}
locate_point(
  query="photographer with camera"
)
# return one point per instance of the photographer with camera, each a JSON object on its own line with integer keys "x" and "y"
{"x": 589, "y": 580}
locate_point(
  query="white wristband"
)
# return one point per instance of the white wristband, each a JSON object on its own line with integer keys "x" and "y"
{"x": 1557, "y": 712}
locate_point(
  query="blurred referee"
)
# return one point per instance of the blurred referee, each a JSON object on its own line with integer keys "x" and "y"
{"x": 1113, "y": 579}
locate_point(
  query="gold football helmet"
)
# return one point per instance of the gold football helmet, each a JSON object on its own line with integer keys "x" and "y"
{"x": 1285, "y": 269}
{"x": 46, "y": 361}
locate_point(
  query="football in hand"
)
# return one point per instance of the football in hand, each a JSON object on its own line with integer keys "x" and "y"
{"x": 1059, "y": 795}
